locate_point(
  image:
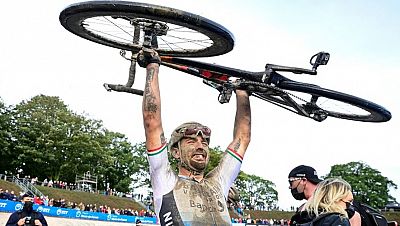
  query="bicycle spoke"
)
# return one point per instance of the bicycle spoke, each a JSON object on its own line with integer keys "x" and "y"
{"x": 110, "y": 35}
{"x": 120, "y": 29}
{"x": 330, "y": 105}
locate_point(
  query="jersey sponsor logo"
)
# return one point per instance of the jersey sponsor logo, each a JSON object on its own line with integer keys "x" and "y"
{"x": 168, "y": 219}
{"x": 204, "y": 208}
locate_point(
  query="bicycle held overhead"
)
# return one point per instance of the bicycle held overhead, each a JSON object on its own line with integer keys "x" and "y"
{"x": 174, "y": 34}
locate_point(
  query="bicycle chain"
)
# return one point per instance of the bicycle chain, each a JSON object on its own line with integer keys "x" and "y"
{"x": 272, "y": 87}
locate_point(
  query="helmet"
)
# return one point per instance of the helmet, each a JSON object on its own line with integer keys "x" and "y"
{"x": 189, "y": 129}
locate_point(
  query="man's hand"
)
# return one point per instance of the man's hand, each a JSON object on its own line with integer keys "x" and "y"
{"x": 21, "y": 222}
{"x": 240, "y": 92}
{"x": 38, "y": 223}
{"x": 147, "y": 56}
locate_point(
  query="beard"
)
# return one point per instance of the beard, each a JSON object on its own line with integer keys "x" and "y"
{"x": 198, "y": 165}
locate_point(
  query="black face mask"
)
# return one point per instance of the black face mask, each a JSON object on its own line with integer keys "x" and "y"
{"x": 350, "y": 210}
{"x": 296, "y": 194}
{"x": 28, "y": 207}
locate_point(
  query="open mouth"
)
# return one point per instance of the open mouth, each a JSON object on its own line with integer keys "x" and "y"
{"x": 199, "y": 157}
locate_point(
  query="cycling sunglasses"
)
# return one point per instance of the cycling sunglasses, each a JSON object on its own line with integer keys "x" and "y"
{"x": 194, "y": 131}
{"x": 293, "y": 179}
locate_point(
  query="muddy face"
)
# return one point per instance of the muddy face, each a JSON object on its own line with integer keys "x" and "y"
{"x": 195, "y": 153}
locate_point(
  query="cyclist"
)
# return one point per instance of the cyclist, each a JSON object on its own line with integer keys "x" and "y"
{"x": 303, "y": 180}
{"x": 189, "y": 197}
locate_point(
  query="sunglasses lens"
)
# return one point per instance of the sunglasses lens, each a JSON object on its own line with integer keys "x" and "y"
{"x": 205, "y": 131}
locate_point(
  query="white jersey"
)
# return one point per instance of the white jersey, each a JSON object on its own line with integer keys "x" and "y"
{"x": 183, "y": 201}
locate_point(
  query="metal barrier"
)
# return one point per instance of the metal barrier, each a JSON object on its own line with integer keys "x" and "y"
{"x": 27, "y": 186}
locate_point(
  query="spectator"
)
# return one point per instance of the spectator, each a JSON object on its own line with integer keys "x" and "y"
{"x": 38, "y": 200}
{"x": 26, "y": 216}
{"x": 303, "y": 180}
{"x": 50, "y": 184}
{"x": 45, "y": 182}
{"x": 81, "y": 206}
{"x": 2, "y": 194}
{"x": 12, "y": 196}
{"x": 330, "y": 202}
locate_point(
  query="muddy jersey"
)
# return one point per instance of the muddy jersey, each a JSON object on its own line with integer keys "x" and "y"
{"x": 180, "y": 200}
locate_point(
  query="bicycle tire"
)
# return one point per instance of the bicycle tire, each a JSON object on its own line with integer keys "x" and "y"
{"x": 75, "y": 17}
{"x": 371, "y": 112}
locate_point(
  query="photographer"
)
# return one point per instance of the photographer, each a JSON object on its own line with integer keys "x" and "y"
{"x": 27, "y": 216}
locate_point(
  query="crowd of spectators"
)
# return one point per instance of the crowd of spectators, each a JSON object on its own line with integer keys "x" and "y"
{"x": 271, "y": 221}
{"x": 62, "y": 203}
{"x": 8, "y": 195}
{"x": 50, "y": 183}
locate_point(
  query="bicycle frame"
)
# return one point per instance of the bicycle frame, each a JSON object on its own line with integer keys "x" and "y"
{"x": 269, "y": 79}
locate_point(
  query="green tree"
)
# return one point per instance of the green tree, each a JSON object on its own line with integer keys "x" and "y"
{"x": 52, "y": 141}
{"x": 368, "y": 184}
{"x": 141, "y": 175}
{"x": 6, "y": 148}
{"x": 120, "y": 163}
{"x": 256, "y": 191}
{"x": 215, "y": 157}
{"x": 41, "y": 125}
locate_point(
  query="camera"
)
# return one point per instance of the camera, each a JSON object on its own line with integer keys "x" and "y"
{"x": 29, "y": 221}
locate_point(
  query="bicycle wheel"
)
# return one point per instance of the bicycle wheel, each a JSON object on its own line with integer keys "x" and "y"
{"x": 113, "y": 23}
{"x": 320, "y": 103}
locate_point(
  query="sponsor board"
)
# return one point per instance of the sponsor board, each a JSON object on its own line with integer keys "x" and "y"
{"x": 11, "y": 206}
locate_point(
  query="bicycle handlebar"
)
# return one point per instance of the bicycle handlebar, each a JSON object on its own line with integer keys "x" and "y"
{"x": 122, "y": 88}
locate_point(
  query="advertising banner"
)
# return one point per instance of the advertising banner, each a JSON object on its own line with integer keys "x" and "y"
{"x": 10, "y": 206}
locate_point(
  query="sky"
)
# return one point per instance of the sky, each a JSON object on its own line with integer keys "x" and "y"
{"x": 38, "y": 56}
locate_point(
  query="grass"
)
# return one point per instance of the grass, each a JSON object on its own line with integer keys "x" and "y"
{"x": 5, "y": 185}
{"x": 77, "y": 196}
{"x": 90, "y": 198}
{"x": 122, "y": 203}
{"x": 258, "y": 214}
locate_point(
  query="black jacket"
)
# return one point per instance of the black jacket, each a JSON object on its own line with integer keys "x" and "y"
{"x": 16, "y": 216}
{"x": 327, "y": 219}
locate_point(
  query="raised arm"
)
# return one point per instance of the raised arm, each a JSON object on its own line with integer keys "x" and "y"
{"x": 151, "y": 105}
{"x": 242, "y": 128}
